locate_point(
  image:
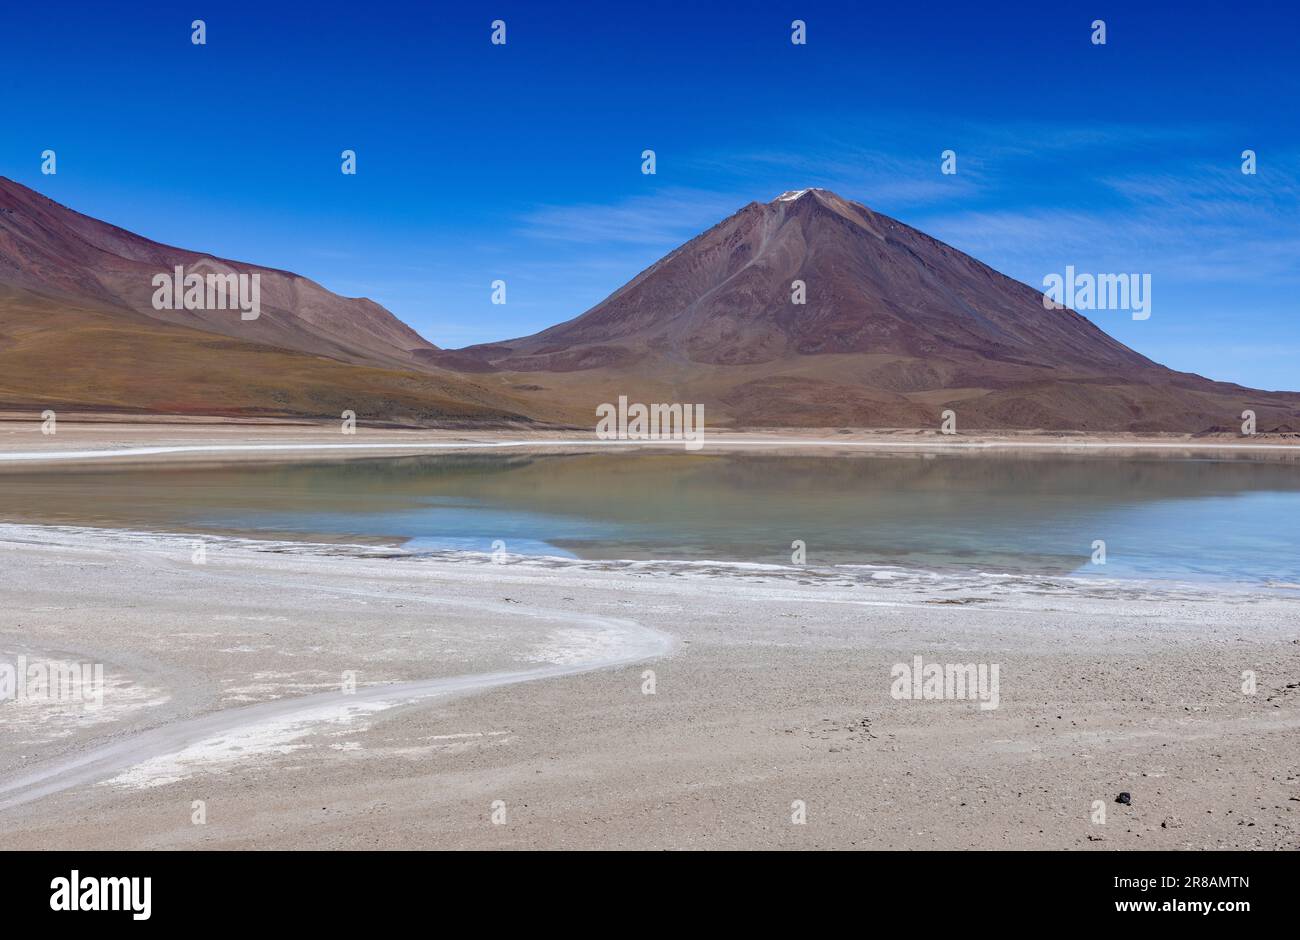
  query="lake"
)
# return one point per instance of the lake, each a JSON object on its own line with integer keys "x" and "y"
{"x": 1220, "y": 518}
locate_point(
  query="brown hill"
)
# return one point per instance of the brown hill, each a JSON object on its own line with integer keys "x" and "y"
{"x": 78, "y": 331}
{"x": 49, "y": 249}
{"x": 61, "y": 355}
{"x": 897, "y": 326}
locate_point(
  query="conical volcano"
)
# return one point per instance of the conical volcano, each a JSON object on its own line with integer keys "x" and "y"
{"x": 813, "y": 310}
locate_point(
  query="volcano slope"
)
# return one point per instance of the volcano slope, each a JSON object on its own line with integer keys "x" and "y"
{"x": 896, "y": 327}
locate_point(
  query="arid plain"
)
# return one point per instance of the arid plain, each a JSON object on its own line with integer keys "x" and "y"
{"x": 507, "y": 705}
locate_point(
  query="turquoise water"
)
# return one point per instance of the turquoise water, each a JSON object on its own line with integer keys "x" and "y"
{"x": 1203, "y": 518}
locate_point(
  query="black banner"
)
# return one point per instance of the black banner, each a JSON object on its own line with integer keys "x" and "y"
{"x": 335, "y": 889}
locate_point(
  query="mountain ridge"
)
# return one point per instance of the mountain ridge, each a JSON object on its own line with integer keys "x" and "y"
{"x": 78, "y": 330}
{"x": 50, "y": 249}
{"x": 895, "y": 328}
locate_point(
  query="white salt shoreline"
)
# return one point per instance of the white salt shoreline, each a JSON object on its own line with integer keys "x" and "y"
{"x": 777, "y": 690}
{"x": 542, "y": 443}
{"x": 172, "y": 751}
{"x": 901, "y": 576}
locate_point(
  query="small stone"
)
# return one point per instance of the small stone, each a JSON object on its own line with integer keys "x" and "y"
{"x": 1124, "y": 798}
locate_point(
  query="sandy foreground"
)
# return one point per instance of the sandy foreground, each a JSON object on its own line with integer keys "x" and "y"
{"x": 771, "y": 685}
{"x": 547, "y": 704}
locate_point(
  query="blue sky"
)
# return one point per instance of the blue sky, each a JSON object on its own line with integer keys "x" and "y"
{"x": 522, "y": 162}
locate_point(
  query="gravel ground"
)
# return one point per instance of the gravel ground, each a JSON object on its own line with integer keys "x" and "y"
{"x": 772, "y": 701}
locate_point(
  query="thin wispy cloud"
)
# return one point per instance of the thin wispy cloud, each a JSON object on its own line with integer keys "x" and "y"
{"x": 870, "y": 175}
{"x": 1035, "y": 139}
{"x": 1176, "y": 243}
{"x": 1029, "y": 198}
{"x": 666, "y": 216}
{"x": 1199, "y": 221}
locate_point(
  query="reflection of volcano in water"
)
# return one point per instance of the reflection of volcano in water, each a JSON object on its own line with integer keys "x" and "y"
{"x": 1158, "y": 516}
